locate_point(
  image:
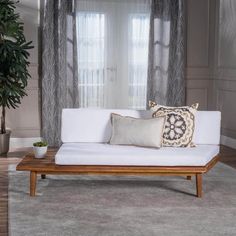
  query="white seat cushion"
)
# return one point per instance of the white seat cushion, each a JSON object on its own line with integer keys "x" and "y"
{"x": 106, "y": 154}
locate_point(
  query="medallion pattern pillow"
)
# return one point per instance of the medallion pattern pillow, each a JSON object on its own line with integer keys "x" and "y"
{"x": 179, "y": 124}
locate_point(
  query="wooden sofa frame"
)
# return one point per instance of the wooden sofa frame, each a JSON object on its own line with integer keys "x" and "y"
{"x": 48, "y": 166}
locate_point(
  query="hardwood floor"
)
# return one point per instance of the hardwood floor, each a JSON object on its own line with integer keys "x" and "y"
{"x": 227, "y": 156}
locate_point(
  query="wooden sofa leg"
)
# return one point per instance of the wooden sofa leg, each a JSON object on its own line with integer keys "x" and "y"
{"x": 199, "y": 184}
{"x": 189, "y": 177}
{"x": 33, "y": 179}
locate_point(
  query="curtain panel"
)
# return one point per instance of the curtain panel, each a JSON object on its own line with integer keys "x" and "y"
{"x": 166, "y": 59}
{"x": 59, "y": 76}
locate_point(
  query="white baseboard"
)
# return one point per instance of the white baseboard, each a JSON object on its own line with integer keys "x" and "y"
{"x": 23, "y": 142}
{"x": 227, "y": 141}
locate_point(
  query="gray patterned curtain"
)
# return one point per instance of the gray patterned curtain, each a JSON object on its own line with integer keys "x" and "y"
{"x": 59, "y": 75}
{"x": 166, "y": 83}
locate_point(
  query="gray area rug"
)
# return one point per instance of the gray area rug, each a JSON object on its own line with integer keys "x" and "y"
{"x": 127, "y": 206}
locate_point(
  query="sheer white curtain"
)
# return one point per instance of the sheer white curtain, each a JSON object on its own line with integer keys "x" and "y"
{"x": 91, "y": 58}
{"x": 138, "y": 59}
{"x": 113, "y": 52}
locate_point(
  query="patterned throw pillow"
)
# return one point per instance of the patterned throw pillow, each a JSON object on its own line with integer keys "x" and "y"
{"x": 179, "y": 125}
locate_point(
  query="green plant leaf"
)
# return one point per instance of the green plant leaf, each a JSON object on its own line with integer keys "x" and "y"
{"x": 14, "y": 56}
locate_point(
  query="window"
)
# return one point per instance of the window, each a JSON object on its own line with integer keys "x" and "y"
{"x": 112, "y": 53}
{"x": 91, "y": 62}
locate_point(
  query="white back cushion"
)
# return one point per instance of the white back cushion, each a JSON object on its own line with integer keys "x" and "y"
{"x": 207, "y": 127}
{"x": 93, "y": 125}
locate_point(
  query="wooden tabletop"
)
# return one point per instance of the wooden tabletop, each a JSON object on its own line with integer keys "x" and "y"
{"x": 29, "y": 162}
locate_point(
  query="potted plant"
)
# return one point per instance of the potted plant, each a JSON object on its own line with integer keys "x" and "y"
{"x": 13, "y": 65}
{"x": 40, "y": 149}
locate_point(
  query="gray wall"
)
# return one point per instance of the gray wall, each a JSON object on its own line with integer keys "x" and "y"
{"x": 200, "y": 52}
{"x": 225, "y": 66}
{"x": 25, "y": 121}
{"x": 211, "y": 60}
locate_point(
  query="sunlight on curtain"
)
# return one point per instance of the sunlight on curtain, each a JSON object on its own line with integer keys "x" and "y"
{"x": 91, "y": 44}
{"x": 138, "y": 60}
{"x": 113, "y": 52}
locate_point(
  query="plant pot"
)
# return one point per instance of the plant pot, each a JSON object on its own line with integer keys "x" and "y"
{"x": 4, "y": 142}
{"x": 40, "y": 152}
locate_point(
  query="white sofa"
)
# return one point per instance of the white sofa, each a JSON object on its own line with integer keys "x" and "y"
{"x": 85, "y": 134}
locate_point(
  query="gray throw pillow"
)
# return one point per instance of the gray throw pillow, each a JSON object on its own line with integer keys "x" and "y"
{"x": 138, "y": 132}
